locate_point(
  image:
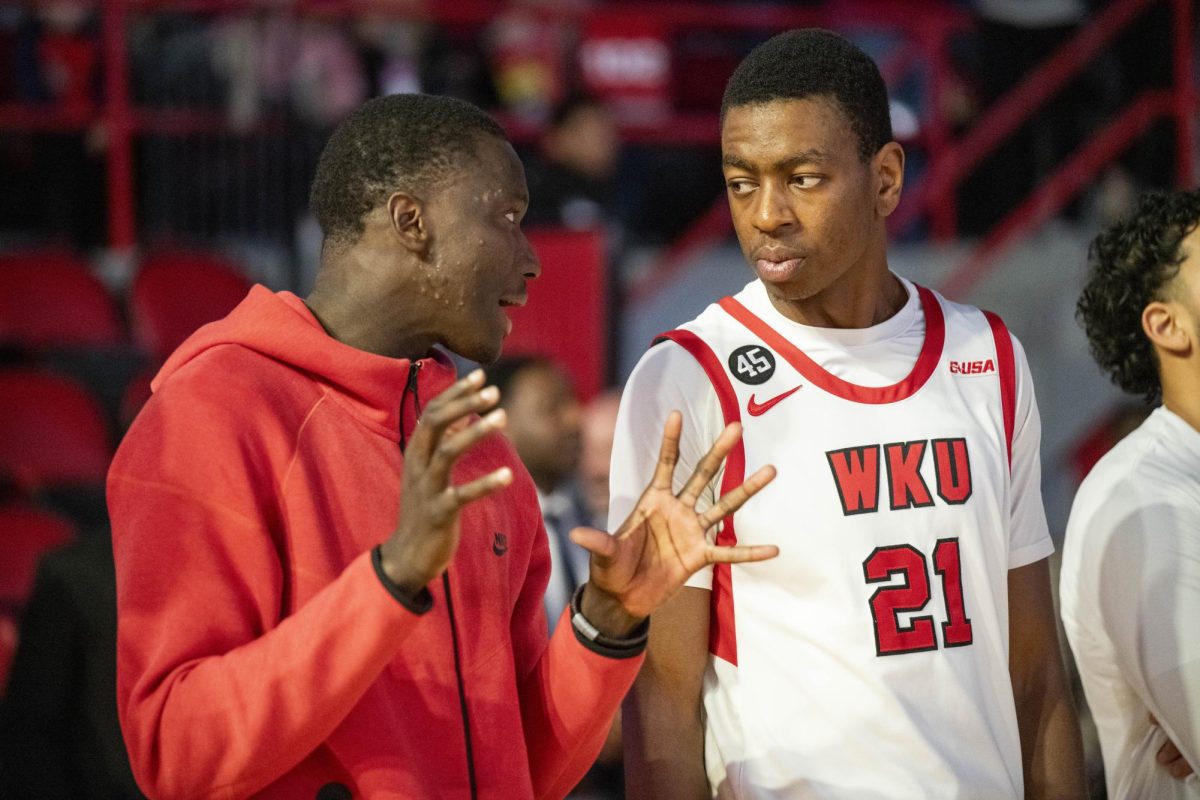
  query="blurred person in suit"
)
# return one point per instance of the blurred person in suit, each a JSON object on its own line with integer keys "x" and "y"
{"x": 544, "y": 426}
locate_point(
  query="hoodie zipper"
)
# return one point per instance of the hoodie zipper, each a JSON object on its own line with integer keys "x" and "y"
{"x": 462, "y": 689}
{"x": 414, "y": 369}
{"x": 411, "y": 388}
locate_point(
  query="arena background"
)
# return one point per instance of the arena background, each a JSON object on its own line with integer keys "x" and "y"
{"x": 155, "y": 158}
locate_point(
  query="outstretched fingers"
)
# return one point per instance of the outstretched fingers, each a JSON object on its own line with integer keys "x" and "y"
{"x": 710, "y": 463}
{"x": 453, "y": 498}
{"x": 734, "y": 499}
{"x": 450, "y": 448}
{"x": 594, "y": 541}
{"x": 741, "y": 554}
{"x": 464, "y": 397}
{"x": 668, "y": 454}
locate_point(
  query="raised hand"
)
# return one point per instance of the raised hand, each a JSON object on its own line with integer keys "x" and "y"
{"x": 427, "y": 532}
{"x": 664, "y": 540}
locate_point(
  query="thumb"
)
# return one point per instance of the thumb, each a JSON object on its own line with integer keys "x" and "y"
{"x": 595, "y": 542}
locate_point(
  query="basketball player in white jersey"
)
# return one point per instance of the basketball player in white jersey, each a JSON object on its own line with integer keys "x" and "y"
{"x": 1130, "y": 583}
{"x": 903, "y": 643}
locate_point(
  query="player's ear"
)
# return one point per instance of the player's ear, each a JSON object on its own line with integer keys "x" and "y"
{"x": 407, "y": 214}
{"x": 1164, "y": 325}
{"x": 887, "y": 165}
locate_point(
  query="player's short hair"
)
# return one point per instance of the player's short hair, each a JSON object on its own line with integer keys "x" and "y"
{"x": 811, "y": 62}
{"x": 1132, "y": 264}
{"x": 401, "y": 142}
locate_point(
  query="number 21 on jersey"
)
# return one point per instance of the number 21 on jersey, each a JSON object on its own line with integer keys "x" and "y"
{"x": 888, "y": 602}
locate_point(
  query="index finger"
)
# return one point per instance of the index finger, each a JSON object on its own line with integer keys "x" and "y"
{"x": 461, "y": 398}
{"x": 710, "y": 463}
{"x": 741, "y": 554}
{"x": 668, "y": 454}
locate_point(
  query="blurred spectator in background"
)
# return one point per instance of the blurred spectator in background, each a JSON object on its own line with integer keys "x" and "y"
{"x": 599, "y": 422}
{"x": 528, "y": 46}
{"x": 392, "y": 52}
{"x": 59, "y": 734}
{"x": 549, "y": 428}
{"x": 58, "y": 66}
{"x": 570, "y": 184}
{"x": 544, "y": 428}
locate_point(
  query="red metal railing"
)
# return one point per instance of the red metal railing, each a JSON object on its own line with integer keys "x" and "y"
{"x": 1006, "y": 116}
{"x": 1049, "y": 198}
{"x": 1105, "y": 146}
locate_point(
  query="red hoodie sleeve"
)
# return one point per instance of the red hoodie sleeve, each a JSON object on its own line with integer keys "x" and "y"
{"x": 218, "y": 696}
{"x": 569, "y": 694}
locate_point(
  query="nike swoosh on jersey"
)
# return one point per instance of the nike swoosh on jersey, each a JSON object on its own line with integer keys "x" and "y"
{"x": 758, "y": 409}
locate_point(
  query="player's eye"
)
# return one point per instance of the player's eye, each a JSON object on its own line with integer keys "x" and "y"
{"x": 807, "y": 181}
{"x": 511, "y": 216}
{"x": 739, "y": 186}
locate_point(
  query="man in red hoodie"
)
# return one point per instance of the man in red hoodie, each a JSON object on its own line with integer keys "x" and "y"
{"x": 330, "y": 574}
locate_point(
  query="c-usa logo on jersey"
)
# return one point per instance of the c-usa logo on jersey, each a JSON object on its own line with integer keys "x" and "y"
{"x": 752, "y": 364}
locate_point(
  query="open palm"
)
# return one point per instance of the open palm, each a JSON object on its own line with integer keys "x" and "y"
{"x": 664, "y": 541}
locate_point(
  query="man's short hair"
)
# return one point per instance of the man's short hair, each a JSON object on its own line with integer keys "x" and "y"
{"x": 811, "y": 62}
{"x": 1132, "y": 264}
{"x": 402, "y": 142}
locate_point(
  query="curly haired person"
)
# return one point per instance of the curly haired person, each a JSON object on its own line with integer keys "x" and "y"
{"x": 1130, "y": 584}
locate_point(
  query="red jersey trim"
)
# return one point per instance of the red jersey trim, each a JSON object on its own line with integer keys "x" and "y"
{"x": 927, "y": 361}
{"x": 722, "y": 632}
{"x": 1006, "y": 363}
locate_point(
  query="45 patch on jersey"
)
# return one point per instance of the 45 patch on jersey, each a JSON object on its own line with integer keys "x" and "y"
{"x": 752, "y": 364}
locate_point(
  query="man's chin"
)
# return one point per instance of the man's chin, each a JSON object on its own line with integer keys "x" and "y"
{"x": 483, "y": 353}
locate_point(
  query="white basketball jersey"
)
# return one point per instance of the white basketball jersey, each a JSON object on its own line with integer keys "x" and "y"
{"x": 870, "y": 659}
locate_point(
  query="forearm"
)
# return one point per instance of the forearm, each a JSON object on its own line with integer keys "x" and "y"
{"x": 234, "y": 721}
{"x": 568, "y": 702}
{"x": 663, "y": 728}
{"x": 664, "y": 751}
{"x": 1051, "y": 747}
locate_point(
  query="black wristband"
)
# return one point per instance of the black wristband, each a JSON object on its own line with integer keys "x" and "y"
{"x": 591, "y": 637}
{"x": 421, "y": 603}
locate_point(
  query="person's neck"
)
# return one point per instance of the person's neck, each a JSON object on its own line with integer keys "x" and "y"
{"x": 858, "y": 301}
{"x": 1181, "y": 392}
{"x": 359, "y": 310}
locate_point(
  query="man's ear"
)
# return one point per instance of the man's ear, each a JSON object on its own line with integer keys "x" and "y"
{"x": 1167, "y": 327}
{"x": 888, "y": 168}
{"x": 407, "y": 214}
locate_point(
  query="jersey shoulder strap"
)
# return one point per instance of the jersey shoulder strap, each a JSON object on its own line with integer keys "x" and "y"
{"x": 722, "y": 632}
{"x": 1007, "y": 367}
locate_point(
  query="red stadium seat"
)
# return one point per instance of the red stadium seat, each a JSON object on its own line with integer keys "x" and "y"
{"x": 176, "y": 292}
{"x": 26, "y": 533}
{"x": 52, "y": 432}
{"x": 49, "y": 299}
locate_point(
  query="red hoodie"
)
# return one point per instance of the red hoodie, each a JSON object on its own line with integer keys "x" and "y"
{"x": 259, "y": 653}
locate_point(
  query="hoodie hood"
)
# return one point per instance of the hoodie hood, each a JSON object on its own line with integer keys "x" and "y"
{"x": 279, "y": 326}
